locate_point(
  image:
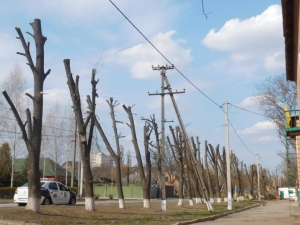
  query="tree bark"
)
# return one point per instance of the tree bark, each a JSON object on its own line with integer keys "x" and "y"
{"x": 118, "y": 155}
{"x": 32, "y": 137}
{"x": 145, "y": 176}
{"x": 82, "y": 126}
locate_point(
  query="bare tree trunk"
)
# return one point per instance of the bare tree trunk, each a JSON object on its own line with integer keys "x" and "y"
{"x": 222, "y": 167}
{"x": 82, "y": 126}
{"x": 117, "y": 156}
{"x": 188, "y": 183}
{"x": 179, "y": 160}
{"x": 32, "y": 137}
{"x": 211, "y": 194}
{"x": 145, "y": 176}
{"x": 214, "y": 162}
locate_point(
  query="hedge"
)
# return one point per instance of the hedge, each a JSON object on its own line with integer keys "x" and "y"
{"x": 7, "y": 192}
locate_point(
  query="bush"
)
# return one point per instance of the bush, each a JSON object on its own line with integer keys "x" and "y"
{"x": 7, "y": 192}
{"x": 270, "y": 197}
{"x": 75, "y": 189}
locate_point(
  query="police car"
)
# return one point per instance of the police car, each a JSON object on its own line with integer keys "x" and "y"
{"x": 52, "y": 192}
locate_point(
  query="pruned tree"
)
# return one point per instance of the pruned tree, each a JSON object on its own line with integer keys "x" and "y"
{"x": 236, "y": 173}
{"x": 212, "y": 155}
{"x": 207, "y": 171}
{"x": 196, "y": 182}
{"x": 188, "y": 182}
{"x": 33, "y": 135}
{"x": 222, "y": 167}
{"x": 171, "y": 166}
{"x": 251, "y": 172}
{"x": 85, "y": 143}
{"x": 145, "y": 174}
{"x": 115, "y": 155}
{"x": 177, "y": 140}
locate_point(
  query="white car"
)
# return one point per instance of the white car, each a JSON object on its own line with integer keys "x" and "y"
{"x": 52, "y": 192}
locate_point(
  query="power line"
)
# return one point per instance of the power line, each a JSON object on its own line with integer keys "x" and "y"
{"x": 247, "y": 110}
{"x": 164, "y": 56}
{"x": 238, "y": 134}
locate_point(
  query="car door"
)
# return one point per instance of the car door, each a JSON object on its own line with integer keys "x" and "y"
{"x": 64, "y": 194}
{"x": 54, "y": 192}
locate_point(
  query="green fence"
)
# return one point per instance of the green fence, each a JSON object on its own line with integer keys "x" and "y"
{"x": 130, "y": 190}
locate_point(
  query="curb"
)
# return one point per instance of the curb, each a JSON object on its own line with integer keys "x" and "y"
{"x": 12, "y": 222}
{"x": 214, "y": 217}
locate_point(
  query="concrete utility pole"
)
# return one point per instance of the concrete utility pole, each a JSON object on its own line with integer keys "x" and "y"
{"x": 189, "y": 146}
{"x": 229, "y": 196}
{"x": 258, "y": 185}
{"x": 162, "y": 159}
{"x": 74, "y": 154}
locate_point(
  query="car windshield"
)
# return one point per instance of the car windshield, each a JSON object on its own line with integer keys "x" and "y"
{"x": 41, "y": 184}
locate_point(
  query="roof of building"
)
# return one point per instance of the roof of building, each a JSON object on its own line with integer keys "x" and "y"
{"x": 49, "y": 167}
{"x": 290, "y": 16}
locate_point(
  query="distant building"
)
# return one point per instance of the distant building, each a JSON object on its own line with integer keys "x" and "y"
{"x": 100, "y": 159}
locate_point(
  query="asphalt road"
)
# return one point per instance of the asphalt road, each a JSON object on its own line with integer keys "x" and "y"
{"x": 273, "y": 213}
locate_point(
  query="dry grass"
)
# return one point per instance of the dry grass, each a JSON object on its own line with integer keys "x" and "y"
{"x": 134, "y": 213}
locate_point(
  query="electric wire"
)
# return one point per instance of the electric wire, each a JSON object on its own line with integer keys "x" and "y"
{"x": 164, "y": 56}
{"x": 182, "y": 73}
{"x": 247, "y": 110}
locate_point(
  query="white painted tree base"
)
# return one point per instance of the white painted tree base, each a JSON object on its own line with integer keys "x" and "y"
{"x": 147, "y": 204}
{"x": 198, "y": 200}
{"x": 225, "y": 199}
{"x": 89, "y": 204}
{"x": 191, "y": 202}
{"x": 34, "y": 204}
{"x": 219, "y": 200}
{"x": 209, "y": 206}
{"x": 212, "y": 200}
{"x": 121, "y": 204}
{"x": 163, "y": 205}
{"x": 180, "y": 202}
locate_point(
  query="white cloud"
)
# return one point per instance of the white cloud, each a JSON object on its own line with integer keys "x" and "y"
{"x": 268, "y": 139}
{"x": 259, "y": 38}
{"x": 248, "y": 103}
{"x": 259, "y": 127}
{"x": 141, "y": 57}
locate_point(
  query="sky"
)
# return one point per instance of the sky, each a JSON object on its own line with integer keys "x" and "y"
{"x": 237, "y": 46}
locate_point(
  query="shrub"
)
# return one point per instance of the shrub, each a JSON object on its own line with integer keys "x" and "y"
{"x": 7, "y": 192}
{"x": 74, "y": 189}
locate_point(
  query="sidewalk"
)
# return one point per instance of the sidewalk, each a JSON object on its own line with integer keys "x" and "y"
{"x": 273, "y": 213}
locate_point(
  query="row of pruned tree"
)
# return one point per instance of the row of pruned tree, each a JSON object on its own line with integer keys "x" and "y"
{"x": 198, "y": 177}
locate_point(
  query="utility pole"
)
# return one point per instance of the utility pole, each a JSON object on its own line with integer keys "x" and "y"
{"x": 229, "y": 196}
{"x": 257, "y": 168}
{"x": 162, "y": 155}
{"x": 189, "y": 146}
{"x": 74, "y": 154}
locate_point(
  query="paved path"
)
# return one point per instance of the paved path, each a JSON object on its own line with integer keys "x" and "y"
{"x": 273, "y": 213}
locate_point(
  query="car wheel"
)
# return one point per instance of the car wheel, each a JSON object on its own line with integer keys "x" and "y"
{"x": 46, "y": 201}
{"x": 72, "y": 201}
{"x": 22, "y": 204}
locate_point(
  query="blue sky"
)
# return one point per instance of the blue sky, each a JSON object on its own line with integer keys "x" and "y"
{"x": 225, "y": 55}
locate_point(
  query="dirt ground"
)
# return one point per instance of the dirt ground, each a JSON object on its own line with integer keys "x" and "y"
{"x": 105, "y": 213}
